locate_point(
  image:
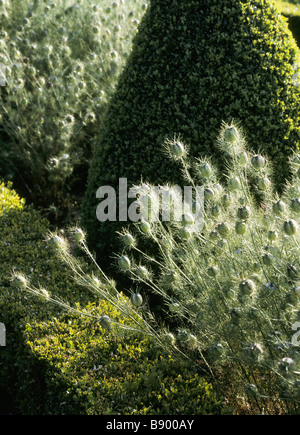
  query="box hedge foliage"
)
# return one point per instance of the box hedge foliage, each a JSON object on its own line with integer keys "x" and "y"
{"x": 57, "y": 363}
{"x": 195, "y": 64}
{"x": 86, "y": 370}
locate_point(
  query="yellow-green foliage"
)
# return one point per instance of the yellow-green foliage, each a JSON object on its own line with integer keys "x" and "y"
{"x": 193, "y": 65}
{"x": 9, "y": 199}
{"x": 83, "y": 369}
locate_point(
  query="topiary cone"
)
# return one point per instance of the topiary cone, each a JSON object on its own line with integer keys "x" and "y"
{"x": 195, "y": 64}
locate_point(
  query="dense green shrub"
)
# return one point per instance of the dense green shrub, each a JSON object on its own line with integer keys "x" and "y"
{"x": 73, "y": 366}
{"x": 195, "y": 64}
{"x": 62, "y": 61}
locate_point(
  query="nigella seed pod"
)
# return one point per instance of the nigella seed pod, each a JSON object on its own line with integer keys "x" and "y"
{"x": 124, "y": 262}
{"x": 183, "y": 336}
{"x": 136, "y": 299}
{"x": 240, "y": 228}
{"x": 258, "y": 162}
{"x": 226, "y": 200}
{"x": 78, "y": 235}
{"x": 246, "y": 287}
{"x": 128, "y": 240}
{"x": 268, "y": 259}
{"x": 242, "y": 158}
{"x": 234, "y": 184}
{"x": 215, "y": 351}
{"x": 235, "y": 315}
{"x": 243, "y": 213}
{"x": 295, "y": 205}
{"x": 145, "y": 227}
{"x": 192, "y": 341}
{"x": 215, "y": 210}
{"x": 251, "y": 390}
{"x": 142, "y": 272}
{"x": 205, "y": 170}
{"x": 223, "y": 229}
{"x": 272, "y": 235}
{"x": 214, "y": 235}
{"x": 254, "y": 351}
{"x": 231, "y": 134}
{"x": 209, "y": 193}
{"x": 286, "y": 365}
{"x": 174, "y": 307}
{"x": 169, "y": 277}
{"x": 168, "y": 339}
{"x": 290, "y": 227}
{"x": 212, "y": 271}
{"x": 187, "y": 219}
{"x": 296, "y": 291}
{"x": 263, "y": 183}
{"x": 279, "y": 207}
{"x": 185, "y": 233}
{"x": 105, "y": 322}
{"x": 253, "y": 313}
{"x": 177, "y": 150}
{"x": 292, "y": 271}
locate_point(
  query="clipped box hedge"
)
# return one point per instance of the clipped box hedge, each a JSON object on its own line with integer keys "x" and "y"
{"x": 85, "y": 370}
{"x": 57, "y": 363}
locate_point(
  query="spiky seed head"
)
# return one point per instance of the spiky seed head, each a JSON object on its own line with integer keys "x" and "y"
{"x": 136, "y": 299}
{"x": 258, "y": 162}
{"x": 124, "y": 262}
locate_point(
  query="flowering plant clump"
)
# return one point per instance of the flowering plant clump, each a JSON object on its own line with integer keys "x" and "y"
{"x": 230, "y": 291}
{"x": 62, "y": 62}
